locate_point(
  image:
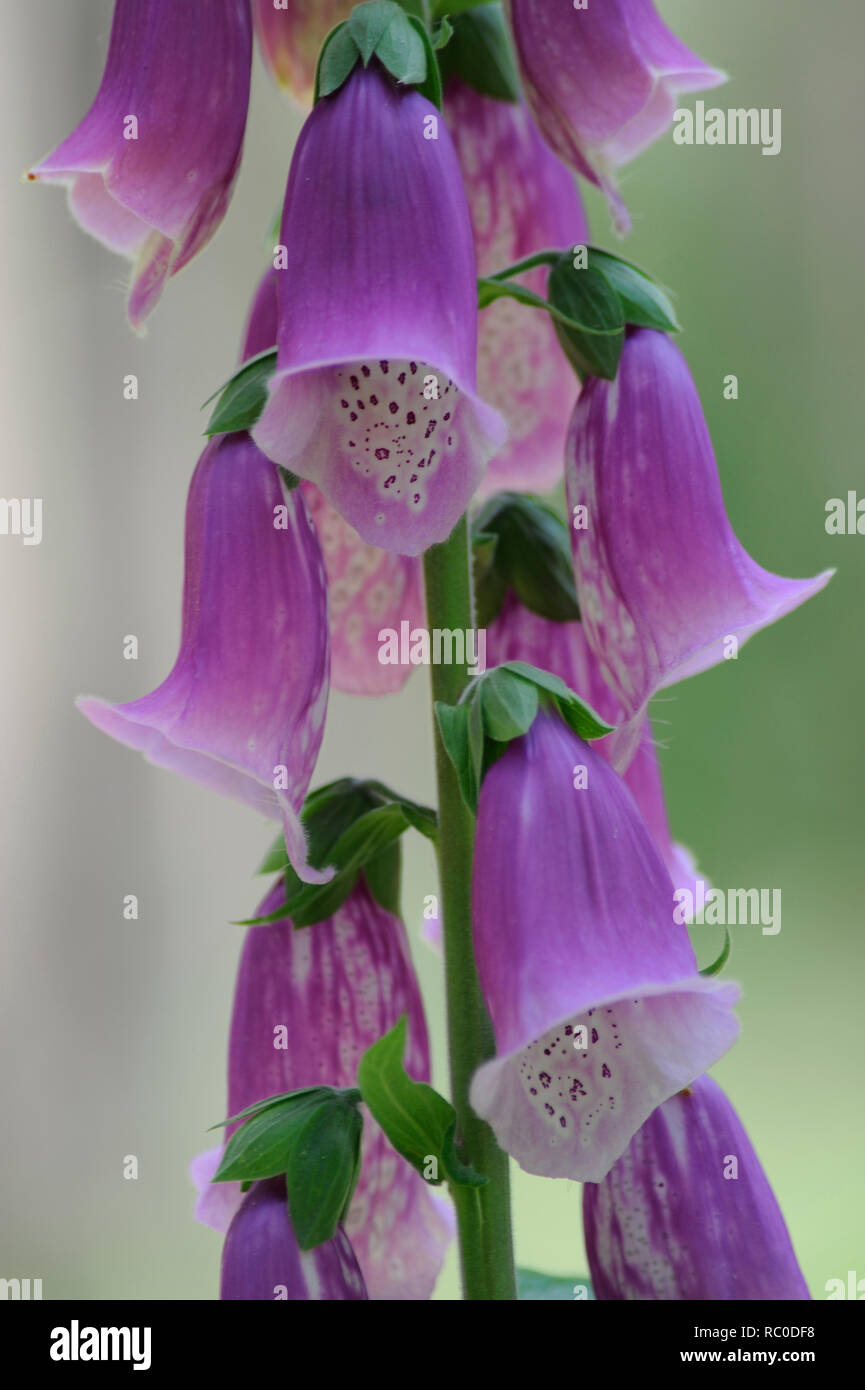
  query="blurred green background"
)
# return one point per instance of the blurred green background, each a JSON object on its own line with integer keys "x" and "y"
{"x": 114, "y": 1033}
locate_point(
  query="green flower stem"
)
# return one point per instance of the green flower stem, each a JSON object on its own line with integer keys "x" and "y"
{"x": 483, "y": 1214}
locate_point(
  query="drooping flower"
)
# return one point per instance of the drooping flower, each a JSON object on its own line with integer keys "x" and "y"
{"x": 261, "y": 1259}
{"x": 374, "y": 398}
{"x": 687, "y": 1212}
{"x": 368, "y": 588}
{"x": 665, "y": 588}
{"x": 335, "y": 988}
{"x": 517, "y": 634}
{"x": 242, "y": 710}
{"x": 602, "y": 81}
{"x": 290, "y": 37}
{"x": 574, "y": 930}
{"x": 521, "y": 200}
{"x": 151, "y": 167}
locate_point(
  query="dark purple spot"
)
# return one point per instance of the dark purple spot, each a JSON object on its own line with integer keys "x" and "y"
{"x": 447, "y": 416}
{"x": 594, "y": 1035}
{"x": 365, "y": 371}
{"x": 549, "y": 1109}
{"x": 401, "y": 378}
{"x": 412, "y": 366}
{"x": 410, "y": 418}
{"x": 383, "y": 366}
{"x": 391, "y": 479}
{"x": 353, "y": 415}
{"x": 382, "y": 453}
{"x": 605, "y": 1070}
{"x": 545, "y": 1079}
{"x": 360, "y": 405}
{"x": 344, "y": 405}
{"x": 373, "y": 400}
{"x": 533, "y": 1090}
{"x": 393, "y": 407}
{"x": 430, "y": 428}
{"x": 563, "y": 1122}
{"x": 355, "y": 384}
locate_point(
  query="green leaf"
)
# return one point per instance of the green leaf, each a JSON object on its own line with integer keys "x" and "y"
{"x": 646, "y": 304}
{"x": 349, "y": 823}
{"x": 322, "y": 1170}
{"x": 533, "y": 1286}
{"x": 243, "y": 397}
{"x": 367, "y": 24}
{"x": 260, "y": 1148}
{"x": 532, "y": 557}
{"x": 508, "y": 703}
{"x": 480, "y": 53}
{"x": 311, "y": 1136}
{"x": 336, "y": 62}
{"x": 717, "y": 966}
{"x": 260, "y": 1105}
{"x": 576, "y": 713}
{"x": 588, "y": 301}
{"x": 419, "y": 1122}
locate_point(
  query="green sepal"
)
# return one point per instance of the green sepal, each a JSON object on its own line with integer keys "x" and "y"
{"x": 453, "y": 725}
{"x": 590, "y": 305}
{"x": 442, "y": 33}
{"x": 480, "y": 53}
{"x": 259, "y": 1105}
{"x": 419, "y": 1123}
{"x": 499, "y": 706}
{"x": 313, "y": 1138}
{"x": 718, "y": 965}
{"x": 588, "y": 300}
{"x": 645, "y": 302}
{"x": 509, "y": 705}
{"x": 579, "y": 716}
{"x": 353, "y": 825}
{"x": 243, "y": 397}
{"x": 367, "y": 24}
{"x": 337, "y": 60}
{"x": 532, "y": 1286}
{"x": 531, "y": 556}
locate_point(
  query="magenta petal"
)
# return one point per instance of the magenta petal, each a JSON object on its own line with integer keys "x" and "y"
{"x": 519, "y": 635}
{"x": 601, "y": 81}
{"x": 662, "y": 581}
{"x": 687, "y": 1212}
{"x": 336, "y": 988}
{"x": 521, "y": 200}
{"x": 243, "y": 708}
{"x": 261, "y": 1259}
{"x": 372, "y": 318}
{"x": 183, "y": 73}
{"x": 573, "y": 927}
